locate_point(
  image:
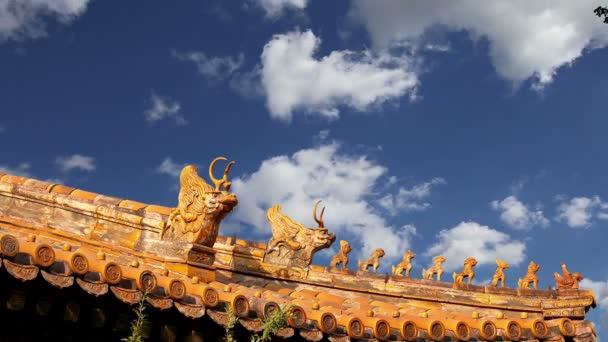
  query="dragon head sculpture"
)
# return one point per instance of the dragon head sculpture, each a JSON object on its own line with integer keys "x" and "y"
{"x": 292, "y": 244}
{"x": 201, "y": 207}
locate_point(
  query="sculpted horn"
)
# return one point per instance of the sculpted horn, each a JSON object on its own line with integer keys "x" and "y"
{"x": 314, "y": 214}
{"x": 224, "y": 181}
{"x": 227, "y": 184}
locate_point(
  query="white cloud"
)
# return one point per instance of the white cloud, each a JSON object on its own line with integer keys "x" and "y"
{"x": 76, "y": 162}
{"x": 294, "y": 79}
{"x": 603, "y": 215}
{"x": 580, "y": 211}
{"x": 2, "y": 129}
{"x": 410, "y": 199}
{"x": 25, "y": 18}
{"x": 437, "y": 47}
{"x": 215, "y": 68}
{"x": 227, "y": 68}
{"x": 599, "y": 288}
{"x": 470, "y": 239}
{"x": 163, "y": 108}
{"x": 346, "y": 184}
{"x": 22, "y": 169}
{"x": 275, "y": 8}
{"x": 248, "y": 83}
{"x": 322, "y": 135}
{"x": 518, "y": 185}
{"x": 516, "y": 214}
{"x": 527, "y": 39}
{"x": 169, "y": 167}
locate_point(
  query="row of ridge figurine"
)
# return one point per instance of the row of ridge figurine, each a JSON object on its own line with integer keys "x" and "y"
{"x": 565, "y": 281}
{"x": 201, "y": 207}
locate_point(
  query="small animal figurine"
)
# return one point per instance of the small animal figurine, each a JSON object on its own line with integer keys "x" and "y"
{"x": 568, "y": 280}
{"x": 342, "y": 256}
{"x": 499, "y": 275}
{"x": 405, "y": 264}
{"x": 531, "y": 277}
{"x": 435, "y": 269}
{"x": 467, "y": 272}
{"x": 374, "y": 260}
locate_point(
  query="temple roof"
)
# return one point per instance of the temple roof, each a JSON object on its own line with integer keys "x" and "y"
{"x": 106, "y": 244}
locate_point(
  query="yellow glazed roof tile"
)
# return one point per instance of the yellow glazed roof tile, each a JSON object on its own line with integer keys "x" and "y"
{"x": 364, "y": 307}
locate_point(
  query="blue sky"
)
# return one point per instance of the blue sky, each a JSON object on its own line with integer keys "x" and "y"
{"x": 470, "y": 131}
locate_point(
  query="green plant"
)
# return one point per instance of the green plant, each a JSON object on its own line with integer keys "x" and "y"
{"x": 138, "y": 323}
{"x": 275, "y": 322}
{"x": 232, "y": 322}
{"x": 602, "y": 11}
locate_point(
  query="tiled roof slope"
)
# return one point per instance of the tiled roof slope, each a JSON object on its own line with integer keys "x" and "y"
{"x": 106, "y": 244}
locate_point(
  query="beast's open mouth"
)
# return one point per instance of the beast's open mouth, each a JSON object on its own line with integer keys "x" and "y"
{"x": 327, "y": 238}
{"x": 229, "y": 200}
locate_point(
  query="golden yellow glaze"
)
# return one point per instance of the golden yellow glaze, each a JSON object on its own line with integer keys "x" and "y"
{"x": 118, "y": 239}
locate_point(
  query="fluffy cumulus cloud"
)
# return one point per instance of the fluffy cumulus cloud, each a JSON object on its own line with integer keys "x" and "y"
{"x": 470, "y": 239}
{"x": 527, "y": 39}
{"x": 76, "y": 162}
{"x": 580, "y": 212}
{"x": 274, "y": 8}
{"x": 169, "y": 167}
{"x": 212, "y": 67}
{"x": 295, "y": 79}
{"x": 599, "y": 288}
{"x": 25, "y": 18}
{"x": 162, "y": 107}
{"x": 517, "y": 215}
{"x": 22, "y": 169}
{"x": 411, "y": 199}
{"x": 347, "y": 184}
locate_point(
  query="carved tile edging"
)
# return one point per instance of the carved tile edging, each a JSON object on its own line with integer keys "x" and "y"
{"x": 95, "y": 289}
{"x": 253, "y": 325}
{"x": 126, "y": 295}
{"x": 57, "y": 280}
{"x": 160, "y": 303}
{"x": 190, "y": 311}
{"x": 21, "y": 272}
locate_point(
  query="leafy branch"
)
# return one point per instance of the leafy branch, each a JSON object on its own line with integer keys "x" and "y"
{"x": 602, "y": 11}
{"x": 138, "y": 324}
{"x": 232, "y": 322}
{"x": 275, "y": 322}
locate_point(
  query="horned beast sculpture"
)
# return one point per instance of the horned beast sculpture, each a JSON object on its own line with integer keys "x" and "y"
{"x": 200, "y": 207}
{"x": 292, "y": 244}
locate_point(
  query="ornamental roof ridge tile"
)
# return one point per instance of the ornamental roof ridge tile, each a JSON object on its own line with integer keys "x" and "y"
{"x": 32, "y": 184}
{"x": 355, "y": 304}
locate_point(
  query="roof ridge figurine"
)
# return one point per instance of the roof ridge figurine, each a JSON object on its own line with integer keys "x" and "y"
{"x": 405, "y": 264}
{"x": 292, "y": 244}
{"x": 342, "y": 256}
{"x": 373, "y": 261}
{"x": 530, "y": 277}
{"x": 467, "y": 272}
{"x": 200, "y": 207}
{"x": 499, "y": 274}
{"x": 437, "y": 268}
{"x": 568, "y": 280}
